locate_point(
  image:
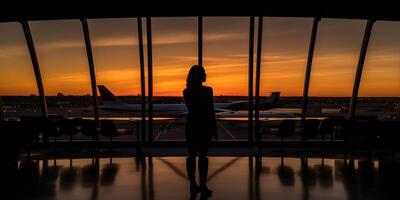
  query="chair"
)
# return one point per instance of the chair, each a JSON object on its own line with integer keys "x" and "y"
{"x": 347, "y": 133}
{"x": 310, "y": 128}
{"x": 9, "y": 142}
{"x": 390, "y": 134}
{"x": 52, "y": 127}
{"x": 366, "y": 133}
{"x": 338, "y": 122}
{"x": 326, "y": 128}
{"x": 32, "y": 126}
{"x": 31, "y": 130}
{"x": 69, "y": 127}
{"x": 286, "y": 129}
{"x": 89, "y": 128}
{"x": 109, "y": 129}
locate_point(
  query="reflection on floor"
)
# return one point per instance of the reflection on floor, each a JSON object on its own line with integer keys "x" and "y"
{"x": 229, "y": 178}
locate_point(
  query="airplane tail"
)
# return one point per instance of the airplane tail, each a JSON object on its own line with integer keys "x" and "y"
{"x": 275, "y": 97}
{"x": 107, "y": 97}
{"x": 272, "y": 100}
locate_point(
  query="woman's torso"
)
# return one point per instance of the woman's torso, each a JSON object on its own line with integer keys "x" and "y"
{"x": 201, "y": 116}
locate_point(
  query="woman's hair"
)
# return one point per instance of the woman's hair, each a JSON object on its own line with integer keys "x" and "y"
{"x": 195, "y": 76}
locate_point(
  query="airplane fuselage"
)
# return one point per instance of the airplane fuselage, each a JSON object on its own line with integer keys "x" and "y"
{"x": 174, "y": 107}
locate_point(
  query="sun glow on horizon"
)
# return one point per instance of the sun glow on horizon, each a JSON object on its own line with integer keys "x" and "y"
{"x": 62, "y": 57}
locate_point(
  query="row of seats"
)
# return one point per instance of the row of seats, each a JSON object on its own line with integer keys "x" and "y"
{"x": 30, "y": 129}
{"x": 310, "y": 128}
{"x": 18, "y": 135}
{"x": 366, "y": 131}
{"x": 361, "y": 129}
{"x": 9, "y": 148}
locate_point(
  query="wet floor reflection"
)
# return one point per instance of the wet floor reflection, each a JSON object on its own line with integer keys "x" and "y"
{"x": 150, "y": 178}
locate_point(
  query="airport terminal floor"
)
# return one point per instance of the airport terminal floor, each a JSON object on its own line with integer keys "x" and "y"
{"x": 118, "y": 174}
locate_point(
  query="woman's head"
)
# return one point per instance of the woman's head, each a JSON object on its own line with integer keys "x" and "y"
{"x": 196, "y": 76}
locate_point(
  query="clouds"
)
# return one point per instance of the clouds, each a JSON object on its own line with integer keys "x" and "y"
{"x": 60, "y": 47}
{"x": 107, "y": 41}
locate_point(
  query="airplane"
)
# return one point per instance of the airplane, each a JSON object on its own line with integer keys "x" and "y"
{"x": 235, "y": 111}
{"x": 113, "y": 103}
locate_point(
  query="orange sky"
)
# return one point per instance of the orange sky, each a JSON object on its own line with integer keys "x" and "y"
{"x": 62, "y": 56}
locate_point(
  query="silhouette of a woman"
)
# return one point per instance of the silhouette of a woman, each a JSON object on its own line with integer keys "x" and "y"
{"x": 200, "y": 127}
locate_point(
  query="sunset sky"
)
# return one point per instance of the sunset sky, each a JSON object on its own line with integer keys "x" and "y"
{"x": 62, "y": 56}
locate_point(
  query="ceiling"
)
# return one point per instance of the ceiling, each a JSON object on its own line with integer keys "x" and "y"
{"x": 18, "y": 10}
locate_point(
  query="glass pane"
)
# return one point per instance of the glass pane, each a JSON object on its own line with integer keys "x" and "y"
{"x": 18, "y": 90}
{"x": 380, "y": 83}
{"x": 284, "y": 58}
{"x": 332, "y": 76}
{"x": 226, "y": 55}
{"x": 63, "y": 64}
{"x": 174, "y": 52}
{"x": 115, "y": 52}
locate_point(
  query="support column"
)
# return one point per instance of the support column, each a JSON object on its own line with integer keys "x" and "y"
{"x": 250, "y": 84}
{"x": 257, "y": 95}
{"x": 36, "y": 67}
{"x": 150, "y": 78}
{"x": 308, "y": 67}
{"x": 360, "y": 66}
{"x": 89, "y": 53}
{"x": 142, "y": 78}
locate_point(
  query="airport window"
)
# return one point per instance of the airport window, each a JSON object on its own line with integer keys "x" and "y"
{"x": 18, "y": 89}
{"x": 284, "y": 58}
{"x": 380, "y": 83}
{"x": 66, "y": 84}
{"x": 116, "y": 61}
{"x": 174, "y": 52}
{"x": 225, "y": 57}
{"x": 336, "y": 55}
{"x": 226, "y": 60}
